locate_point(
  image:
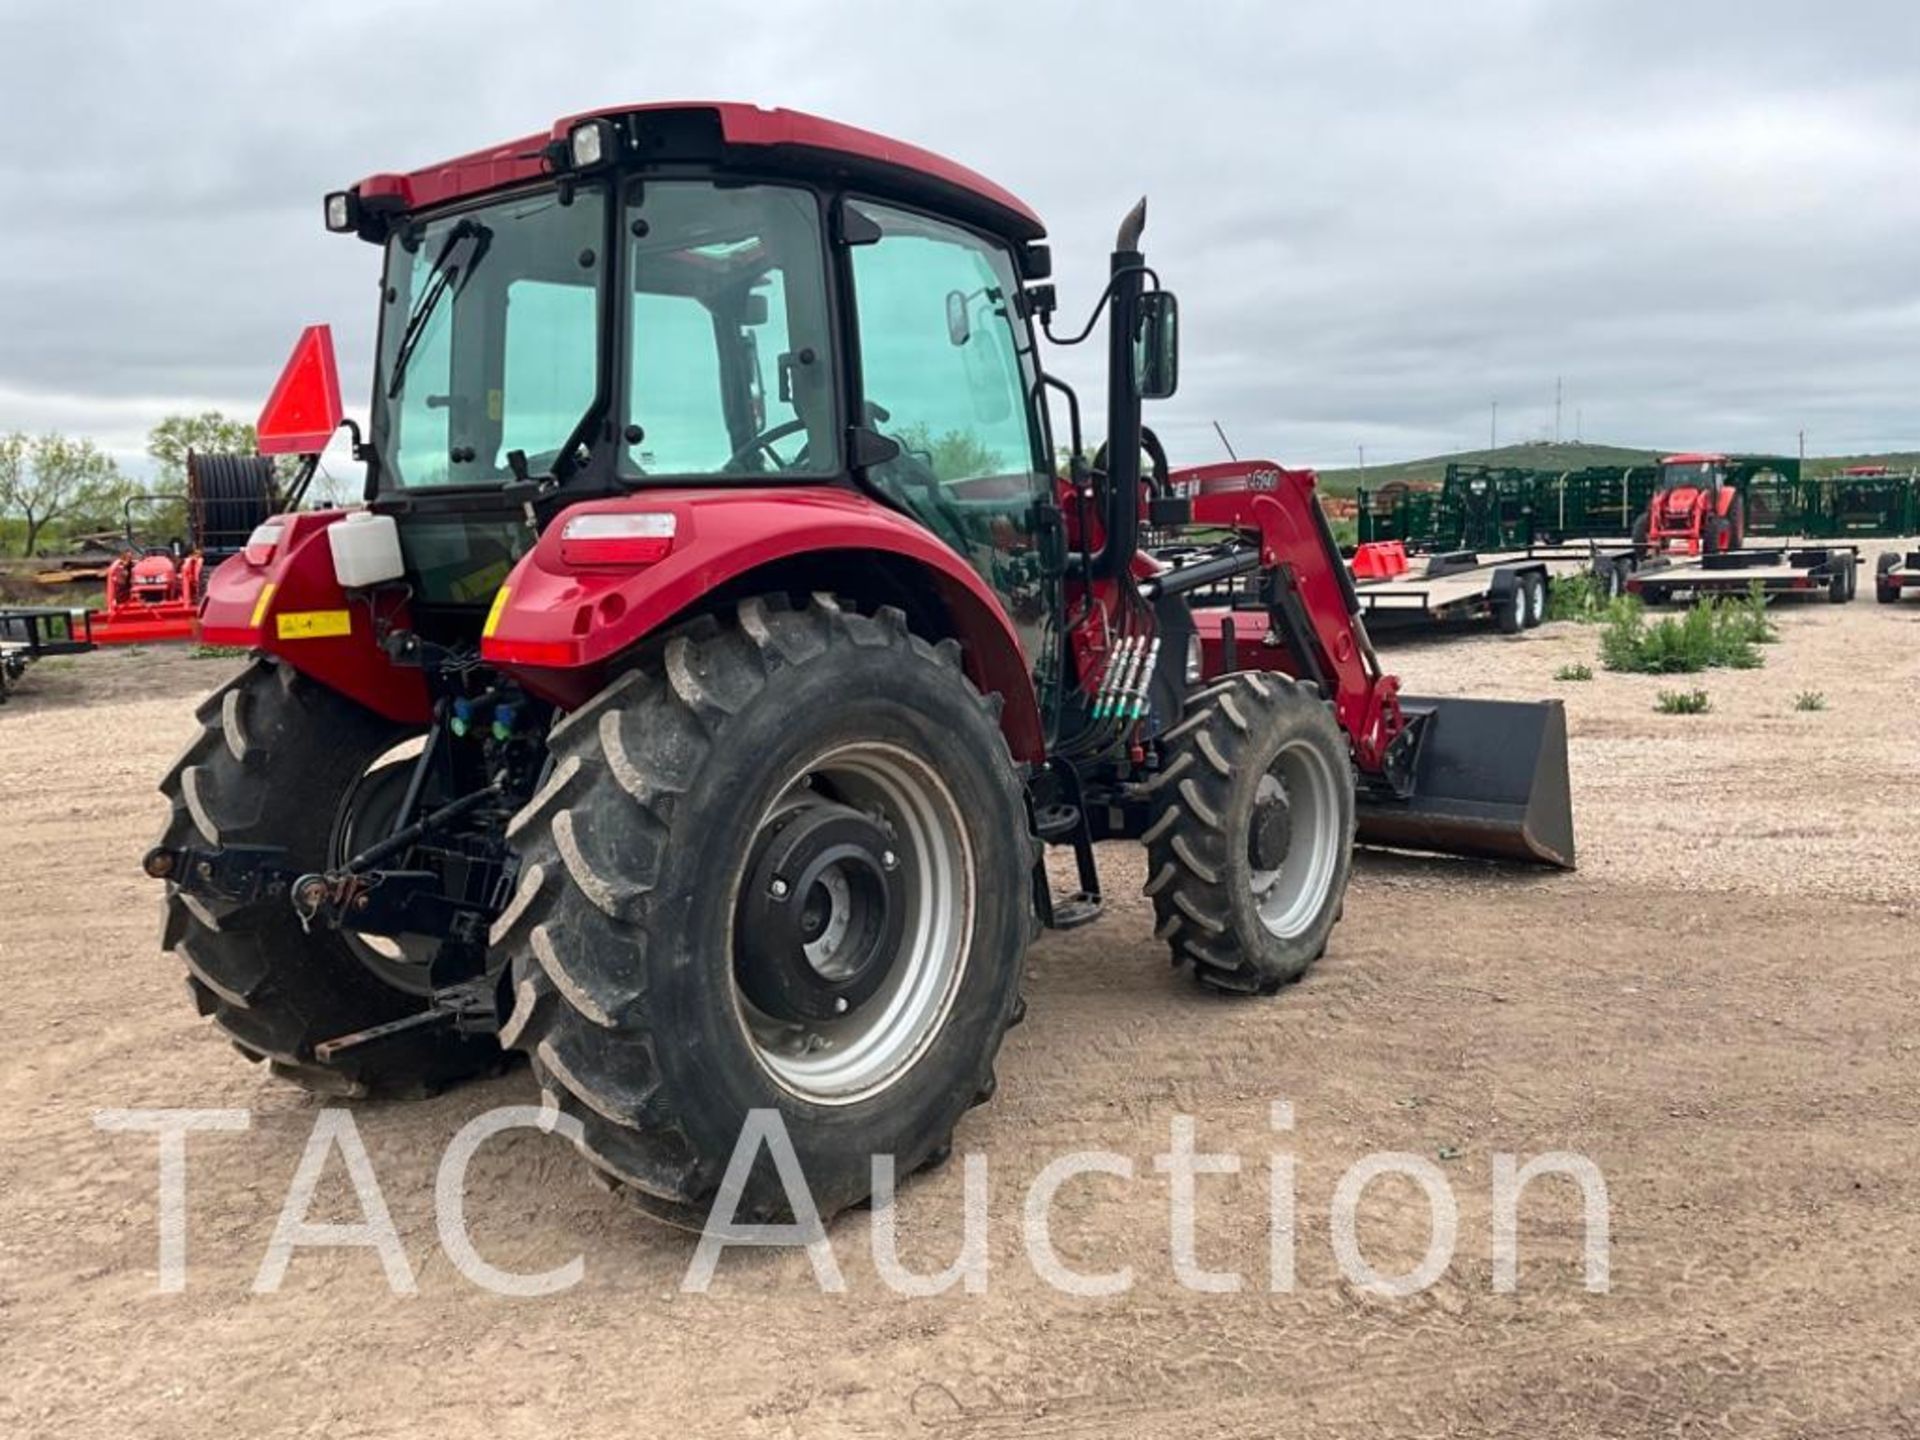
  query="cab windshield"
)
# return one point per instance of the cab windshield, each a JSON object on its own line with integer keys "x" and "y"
{"x": 1692, "y": 476}
{"x": 488, "y": 339}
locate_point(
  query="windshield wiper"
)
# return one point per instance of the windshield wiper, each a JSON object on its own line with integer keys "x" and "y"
{"x": 444, "y": 276}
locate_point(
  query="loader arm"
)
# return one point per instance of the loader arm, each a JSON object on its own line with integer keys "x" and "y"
{"x": 1483, "y": 778}
{"x": 1314, "y": 601}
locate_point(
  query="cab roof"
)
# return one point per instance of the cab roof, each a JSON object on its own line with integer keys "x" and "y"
{"x": 1692, "y": 457}
{"x": 731, "y": 134}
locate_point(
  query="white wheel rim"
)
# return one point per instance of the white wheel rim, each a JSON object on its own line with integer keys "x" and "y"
{"x": 844, "y": 1060}
{"x": 1537, "y": 601}
{"x": 1289, "y": 899}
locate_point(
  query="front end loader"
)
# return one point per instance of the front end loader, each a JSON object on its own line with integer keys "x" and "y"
{"x": 689, "y": 705}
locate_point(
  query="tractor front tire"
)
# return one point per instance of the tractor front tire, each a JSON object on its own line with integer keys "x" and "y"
{"x": 277, "y": 759}
{"x": 783, "y": 864}
{"x": 1251, "y": 841}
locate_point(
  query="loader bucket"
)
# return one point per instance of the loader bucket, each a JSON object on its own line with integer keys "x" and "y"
{"x": 1489, "y": 780}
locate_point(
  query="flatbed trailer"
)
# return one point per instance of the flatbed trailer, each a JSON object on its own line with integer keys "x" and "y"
{"x": 31, "y": 633}
{"x": 1812, "y": 571}
{"x": 1464, "y": 587}
{"x": 1895, "y": 573}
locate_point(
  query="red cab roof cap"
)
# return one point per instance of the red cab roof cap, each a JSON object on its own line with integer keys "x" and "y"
{"x": 750, "y": 127}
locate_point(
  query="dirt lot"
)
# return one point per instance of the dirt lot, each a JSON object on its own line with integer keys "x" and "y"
{"x": 1721, "y": 1010}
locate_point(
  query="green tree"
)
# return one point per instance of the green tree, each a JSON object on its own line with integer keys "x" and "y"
{"x": 209, "y": 432}
{"x": 956, "y": 455}
{"x": 51, "y": 478}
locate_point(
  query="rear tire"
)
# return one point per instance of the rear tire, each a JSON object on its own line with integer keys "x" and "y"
{"x": 638, "y": 935}
{"x": 1839, "y": 584}
{"x": 277, "y": 758}
{"x": 1251, "y": 841}
{"x": 1536, "y": 588}
{"x": 1510, "y": 608}
{"x": 1642, "y": 529}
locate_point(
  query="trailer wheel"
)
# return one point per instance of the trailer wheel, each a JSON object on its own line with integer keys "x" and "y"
{"x": 278, "y": 761}
{"x": 1840, "y": 583}
{"x": 1535, "y": 585}
{"x": 1510, "y": 607}
{"x": 782, "y": 864}
{"x": 1252, "y": 834}
{"x": 1884, "y": 590}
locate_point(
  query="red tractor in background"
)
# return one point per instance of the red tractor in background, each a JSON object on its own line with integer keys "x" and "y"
{"x": 153, "y": 591}
{"x": 1695, "y": 507}
{"x": 690, "y": 704}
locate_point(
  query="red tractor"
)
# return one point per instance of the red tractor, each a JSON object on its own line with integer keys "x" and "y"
{"x": 690, "y": 704}
{"x": 1695, "y": 506}
{"x": 152, "y": 590}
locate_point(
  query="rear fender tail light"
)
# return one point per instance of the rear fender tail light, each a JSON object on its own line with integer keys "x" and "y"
{"x": 621, "y": 538}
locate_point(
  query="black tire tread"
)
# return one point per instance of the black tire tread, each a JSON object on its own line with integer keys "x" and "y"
{"x": 1188, "y": 844}
{"x": 591, "y": 845}
{"x": 272, "y": 989}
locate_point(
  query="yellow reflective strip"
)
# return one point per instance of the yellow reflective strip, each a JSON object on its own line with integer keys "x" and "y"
{"x": 315, "y": 624}
{"x": 260, "y": 605}
{"x": 493, "y": 615}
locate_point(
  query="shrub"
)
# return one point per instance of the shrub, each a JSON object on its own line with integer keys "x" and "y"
{"x": 1683, "y": 702}
{"x": 1580, "y": 597}
{"x": 1574, "y": 672}
{"x": 1810, "y": 700}
{"x": 1706, "y": 637}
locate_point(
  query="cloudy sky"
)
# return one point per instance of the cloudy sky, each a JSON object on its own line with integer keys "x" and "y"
{"x": 1703, "y": 214}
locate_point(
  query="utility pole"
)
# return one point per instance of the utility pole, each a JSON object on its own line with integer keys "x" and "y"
{"x": 1363, "y": 465}
{"x": 1803, "y": 449}
{"x": 1493, "y": 428}
{"x": 1559, "y": 394}
{"x": 1579, "y": 425}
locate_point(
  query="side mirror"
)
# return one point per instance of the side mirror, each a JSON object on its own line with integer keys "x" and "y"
{"x": 959, "y": 326}
{"x": 1156, "y": 345}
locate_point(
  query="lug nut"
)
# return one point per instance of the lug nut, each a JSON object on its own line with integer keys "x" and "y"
{"x": 778, "y": 889}
{"x": 839, "y": 1004}
{"x": 888, "y": 859}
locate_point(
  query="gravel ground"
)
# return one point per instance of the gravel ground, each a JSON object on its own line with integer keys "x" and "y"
{"x": 1721, "y": 1010}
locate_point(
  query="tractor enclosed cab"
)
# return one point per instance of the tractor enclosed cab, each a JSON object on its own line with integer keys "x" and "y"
{"x": 717, "y": 650}
{"x": 1695, "y": 507}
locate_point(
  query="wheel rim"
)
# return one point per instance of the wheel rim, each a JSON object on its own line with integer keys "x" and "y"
{"x": 896, "y": 1014}
{"x": 1290, "y": 897}
{"x": 1537, "y": 601}
{"x": 1519, "y": 606}
{"x": 366, "y": 817}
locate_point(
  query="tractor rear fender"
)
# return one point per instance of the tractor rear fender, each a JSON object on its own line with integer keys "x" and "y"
{"x": 291, "y": 606}
{"x": 577, "y": 606}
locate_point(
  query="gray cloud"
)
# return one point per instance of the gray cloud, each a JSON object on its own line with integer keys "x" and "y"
{"x": 1379, "y": 217}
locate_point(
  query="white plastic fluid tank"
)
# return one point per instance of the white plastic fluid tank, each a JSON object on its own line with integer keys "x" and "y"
{"x": 366, "y": 550}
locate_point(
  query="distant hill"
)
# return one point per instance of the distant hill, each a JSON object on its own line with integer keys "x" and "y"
{"x": 1546, "y": 456}
{"x": 1538, "y": 456}
{"x": 1900, "y": 462}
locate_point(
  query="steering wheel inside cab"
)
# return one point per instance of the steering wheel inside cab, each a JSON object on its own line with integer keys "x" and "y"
{"x": 758, "y": 457}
